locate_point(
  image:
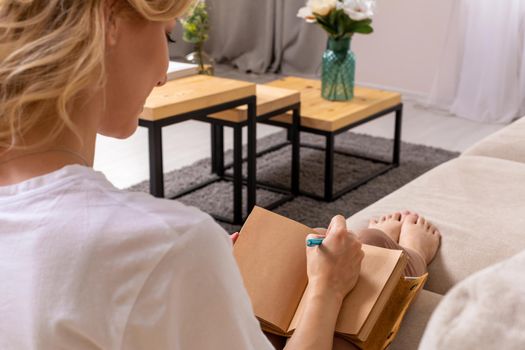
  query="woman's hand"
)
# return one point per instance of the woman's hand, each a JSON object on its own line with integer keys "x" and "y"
{"x": 234, "y": 237}
{"x": 333, "y": 269}
{"x": 334, "y": 266}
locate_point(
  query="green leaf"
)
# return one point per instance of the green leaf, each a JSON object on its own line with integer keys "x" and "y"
{"x": 339, "y": 25}
{"x": 196, "y": 25}
{"x": 364, "y": 29}
{"x": 334, "y": 18}
{"x": 324, "y": 21}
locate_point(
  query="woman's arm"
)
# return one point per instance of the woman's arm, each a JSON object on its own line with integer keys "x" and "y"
{"x": 333, "y": 270}
{"x": 316, "y": 327}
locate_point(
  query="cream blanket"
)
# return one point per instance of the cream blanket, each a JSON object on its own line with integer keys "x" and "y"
{"x": 485, "y": 311}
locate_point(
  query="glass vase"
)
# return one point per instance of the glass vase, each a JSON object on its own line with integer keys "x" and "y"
{"x": 338, "y": 73}
{"x": 202, "y": 60}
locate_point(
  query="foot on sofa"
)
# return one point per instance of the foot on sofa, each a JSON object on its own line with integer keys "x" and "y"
{"x": 419, "y": 235}
{"x": 389, "y": 224}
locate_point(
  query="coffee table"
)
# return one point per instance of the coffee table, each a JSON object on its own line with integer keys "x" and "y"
{"x": 194, "y": 98}
{"x": 328, "y": 118}
{"x": 271, "y": 102}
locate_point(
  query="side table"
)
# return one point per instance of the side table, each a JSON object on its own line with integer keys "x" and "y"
{"x": 329, "y": 119}
{"x": 194, "y": 98}
{"x": 271, "y": 102}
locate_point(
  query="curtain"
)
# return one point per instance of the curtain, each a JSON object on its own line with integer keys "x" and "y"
{"x": 302, "y": 43}
{"x": 482, "y": 73}
{"x": 243, "y": 32}
{"x": 261, "y": 36}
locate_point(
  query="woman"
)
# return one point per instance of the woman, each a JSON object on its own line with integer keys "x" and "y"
{"x": 84, "y": 265}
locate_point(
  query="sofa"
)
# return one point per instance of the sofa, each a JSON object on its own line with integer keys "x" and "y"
{"x": 478, "y": 203}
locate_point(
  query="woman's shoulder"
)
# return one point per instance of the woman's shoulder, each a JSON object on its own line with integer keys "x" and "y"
{"x": 159, "y": 213}
{"x": 99, "y": 192}
{"x": 83, "y": 200}
{"x": 81, "y": 197}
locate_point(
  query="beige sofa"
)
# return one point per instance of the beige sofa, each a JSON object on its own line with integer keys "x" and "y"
{"x": 478, "y": 203}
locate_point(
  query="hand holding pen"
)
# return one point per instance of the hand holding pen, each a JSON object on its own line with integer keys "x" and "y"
{"x": 334, "y": 259}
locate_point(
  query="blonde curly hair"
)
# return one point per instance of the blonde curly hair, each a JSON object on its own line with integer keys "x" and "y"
{"x": 50, "y": 51}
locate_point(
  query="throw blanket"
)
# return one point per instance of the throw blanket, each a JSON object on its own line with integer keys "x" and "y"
{"x": 485, "y": 311}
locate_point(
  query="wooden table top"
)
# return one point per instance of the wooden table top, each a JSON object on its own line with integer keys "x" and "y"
{"x": 193, "y": 93}
{"x": 269, "y": 99}
{"x": 320, "y": 114}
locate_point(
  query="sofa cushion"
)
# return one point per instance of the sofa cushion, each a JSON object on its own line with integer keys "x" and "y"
{"x": 485, "y": 311}
{"x": 508, "y": 143}
{"x": 415, "y": 321}
{"x": 478, "y": 204}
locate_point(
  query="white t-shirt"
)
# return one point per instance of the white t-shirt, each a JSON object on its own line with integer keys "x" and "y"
{"x": 84, "y": 265}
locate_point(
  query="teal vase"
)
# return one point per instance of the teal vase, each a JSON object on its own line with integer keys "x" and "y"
{"x": 338, "y": 74}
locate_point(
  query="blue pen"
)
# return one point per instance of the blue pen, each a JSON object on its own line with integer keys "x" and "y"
{"x": 311, "y": 242}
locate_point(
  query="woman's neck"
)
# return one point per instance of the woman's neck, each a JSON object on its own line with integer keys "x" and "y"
{"x": 30, "y": 164}
{"x": 19, "y": 165}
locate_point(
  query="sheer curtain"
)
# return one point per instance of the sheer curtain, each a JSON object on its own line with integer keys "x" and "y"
{"x": 482, "y": 73}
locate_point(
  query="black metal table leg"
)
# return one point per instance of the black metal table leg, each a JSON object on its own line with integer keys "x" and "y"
{"x": 397, "y": 136}
{"x": 252, "y": 155}
{"x": 329, "y": 168}
{"x": 156, "y": 171}
{"x": 237, "y": 175}
{"x": 295, "y": 139}
{"x": 289, "y": 134}
{"x": 213, "y": 143}
{"x": 219, "y": 149}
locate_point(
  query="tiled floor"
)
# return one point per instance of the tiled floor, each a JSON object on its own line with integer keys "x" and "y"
{"x": 125, "y": 162}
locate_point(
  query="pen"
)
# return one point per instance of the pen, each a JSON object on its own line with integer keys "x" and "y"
{"x": 310, "y": 242}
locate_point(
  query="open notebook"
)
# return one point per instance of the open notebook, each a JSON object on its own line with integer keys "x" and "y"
{"x": 271, "y": 255}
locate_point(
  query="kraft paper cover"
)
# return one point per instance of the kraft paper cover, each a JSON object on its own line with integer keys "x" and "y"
{"x": 380, "y": 270}
{"x": 387, "y": 326}
{"x": 271, "y": 255}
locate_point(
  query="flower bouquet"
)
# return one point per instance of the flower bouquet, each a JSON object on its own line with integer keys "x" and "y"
{"x": 340, "y": 19}
{"x": 196, "y": 26}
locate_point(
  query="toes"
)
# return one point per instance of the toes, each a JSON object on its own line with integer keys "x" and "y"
{"x": 372, "y": 222}
{"x": 396, "y": 216}
{"x": 421, "y": 221}
{"x": 383, "y": 218}
{"x": 411, "y": 218}
{"x": 406, "y": 213}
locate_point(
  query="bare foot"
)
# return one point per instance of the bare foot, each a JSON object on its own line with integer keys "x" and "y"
{"x": 389, "y": 224}
{"x": 420, "y": 235}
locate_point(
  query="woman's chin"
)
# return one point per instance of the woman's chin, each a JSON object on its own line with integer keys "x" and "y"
{"x": 121, "y": 133}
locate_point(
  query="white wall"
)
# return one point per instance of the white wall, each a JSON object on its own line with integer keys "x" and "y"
{"x": 406, "y": 48}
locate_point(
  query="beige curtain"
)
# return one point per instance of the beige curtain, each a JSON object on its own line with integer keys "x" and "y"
{"x": 261, "y": 36}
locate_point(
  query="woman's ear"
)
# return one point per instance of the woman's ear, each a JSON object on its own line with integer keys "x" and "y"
{"x": 112, "y": 23}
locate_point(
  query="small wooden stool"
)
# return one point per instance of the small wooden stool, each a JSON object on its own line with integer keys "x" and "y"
{"x": 271, "y": 102}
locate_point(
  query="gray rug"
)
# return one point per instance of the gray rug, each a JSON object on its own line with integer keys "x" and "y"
{"x": 275, "y": 168}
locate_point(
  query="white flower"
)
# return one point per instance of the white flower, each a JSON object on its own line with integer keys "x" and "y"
{"x": 358, "y": 10}
{"x": 306, "y": 13}
{"x": 317, "y": 7}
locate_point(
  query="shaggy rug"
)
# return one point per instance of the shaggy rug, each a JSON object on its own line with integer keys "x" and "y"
{"x": 275, "y": 168}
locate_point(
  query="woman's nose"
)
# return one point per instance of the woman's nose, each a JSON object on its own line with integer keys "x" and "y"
{"x": 163, "y": 81}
